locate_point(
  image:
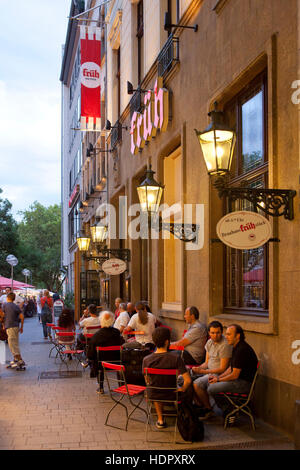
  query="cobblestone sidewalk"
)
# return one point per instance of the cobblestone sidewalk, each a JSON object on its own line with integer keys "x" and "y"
{"x": 67, "y": 413}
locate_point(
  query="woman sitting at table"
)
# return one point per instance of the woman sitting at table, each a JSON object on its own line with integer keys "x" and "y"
{"x": 143, "y": 323}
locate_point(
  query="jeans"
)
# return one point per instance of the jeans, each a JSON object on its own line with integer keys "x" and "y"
{"x": 233, "y": 386}
{"x": 46, "y": 329}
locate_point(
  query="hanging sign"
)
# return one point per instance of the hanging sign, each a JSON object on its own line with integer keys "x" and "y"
{"x": 74, "y": 194}
{"x": 90, "y": 43}
{"x": 114, "y": 266}
{"x": 244, "y": 230}
{"x": 155, "y": 117}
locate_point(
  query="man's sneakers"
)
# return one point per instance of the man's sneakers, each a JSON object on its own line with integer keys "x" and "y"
{"x": 205, "y": 413}
{"x": 161, "y": 425}
{"x": 12, "y": 364}
{"x": 100, "y": 391}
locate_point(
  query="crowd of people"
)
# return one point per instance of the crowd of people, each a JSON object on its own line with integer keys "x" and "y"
{"x": 208, "y": 361}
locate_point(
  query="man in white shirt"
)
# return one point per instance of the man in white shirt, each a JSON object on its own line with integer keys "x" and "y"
{"x": 123, "y": 318}
{"x": 18, "y": 299}
{"x": 90, "y": 318}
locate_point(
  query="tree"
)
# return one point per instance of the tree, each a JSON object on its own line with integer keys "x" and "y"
{"x": 40, "y": 239}
{"x": 8, "y": 236}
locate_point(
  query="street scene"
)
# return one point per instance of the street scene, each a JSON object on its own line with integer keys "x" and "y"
{"x": 149, "y": 239}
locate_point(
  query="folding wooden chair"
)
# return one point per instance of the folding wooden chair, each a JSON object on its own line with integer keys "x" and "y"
{"x": 239, "y": 402}
{"x": 149, "y": 372}
{"x": 122, "y": 390}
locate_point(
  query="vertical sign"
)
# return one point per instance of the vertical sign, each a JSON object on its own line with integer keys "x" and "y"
{"x": 90, "y": 78}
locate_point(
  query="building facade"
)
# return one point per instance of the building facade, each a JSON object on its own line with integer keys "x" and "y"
{"x": 243, "y": 56}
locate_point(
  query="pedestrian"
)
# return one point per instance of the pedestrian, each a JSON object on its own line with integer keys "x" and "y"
{"x": 47, "y": 313}
{"x": 39, "y": 305}
{"x": 13, "y": 316}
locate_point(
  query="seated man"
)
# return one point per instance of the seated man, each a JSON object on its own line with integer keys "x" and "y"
{"x": 162, "y": 359}
{"x": 90, "y": 318}
{"x": 243, "y": 365}
{"x": 218, "y": 354}
{"x": 194, "y": 339}
{"x": 107, "y": 336}
{"x": 123, "y": 318}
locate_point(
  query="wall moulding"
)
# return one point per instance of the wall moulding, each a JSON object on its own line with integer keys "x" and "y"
{"x": 219, "y": 5}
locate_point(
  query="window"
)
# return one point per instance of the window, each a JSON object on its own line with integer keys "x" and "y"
{"x": 246, "y": 271}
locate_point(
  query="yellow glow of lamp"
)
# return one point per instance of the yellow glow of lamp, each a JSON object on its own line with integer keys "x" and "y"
{"x": 150, "y": 193}
{"x": 83, "y": 243}
{"x": 217, "y": 143}
{"x": 98, "y": 232}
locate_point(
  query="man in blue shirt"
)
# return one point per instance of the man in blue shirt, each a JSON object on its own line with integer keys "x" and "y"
{"x": 13, "y": 316}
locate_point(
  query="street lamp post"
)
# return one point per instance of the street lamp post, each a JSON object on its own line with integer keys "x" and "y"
{"x": 13, "y": 261}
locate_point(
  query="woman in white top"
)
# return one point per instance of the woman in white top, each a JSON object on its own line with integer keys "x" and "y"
{"x": 123, "y": 318}
{"x": 142, "y": 321}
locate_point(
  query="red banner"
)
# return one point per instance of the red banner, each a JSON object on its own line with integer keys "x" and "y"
{"x": 90, "y": 78}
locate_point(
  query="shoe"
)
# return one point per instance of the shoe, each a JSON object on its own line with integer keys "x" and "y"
{"x": 100, "y": 391}
{"x": 19, "y": 363}
{"x": 45, "y": 337}
{"x": 205, "y": 413}
{"x": 161, "y": 425}
{"x": 12, "y": 364}
{"x": 231, "y": 420}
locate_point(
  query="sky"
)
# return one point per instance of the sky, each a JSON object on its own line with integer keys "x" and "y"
{"x": 32, "y": 33}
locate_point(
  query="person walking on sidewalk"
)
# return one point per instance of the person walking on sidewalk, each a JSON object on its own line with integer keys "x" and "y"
{"x": 13, "y": 316}
{"x": 46, "y": 313}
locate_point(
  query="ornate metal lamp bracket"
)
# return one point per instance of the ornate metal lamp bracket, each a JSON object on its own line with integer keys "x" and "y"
{"x": 273, "y": 202}
{"x": 184, "y": 232}
{"x": 123, "y": 254}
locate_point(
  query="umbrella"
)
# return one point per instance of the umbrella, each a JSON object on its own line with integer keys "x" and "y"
{"x": 6, "y": 282}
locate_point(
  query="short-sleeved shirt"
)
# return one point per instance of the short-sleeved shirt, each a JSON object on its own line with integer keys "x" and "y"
{"x": 148, "y": 328}
{"x": 244, "y": 358}
{"x": 90, "y": 321}
{"x": 197, "y": 335}
{"x": 11, "y": 312}
{"x": 217, "y": 351}
{"x": 166, "y": 360}
{"x": 122, "y": 320}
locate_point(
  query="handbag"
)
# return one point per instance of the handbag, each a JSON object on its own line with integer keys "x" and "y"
{"x": 3, "y": 334}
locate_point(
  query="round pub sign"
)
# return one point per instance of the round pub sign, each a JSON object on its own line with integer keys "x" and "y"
{"x": 244, "y": 230}
{"x": 114, "y": 266}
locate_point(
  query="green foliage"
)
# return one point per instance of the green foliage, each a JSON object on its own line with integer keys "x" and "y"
{"x": 69, "y": 300}
{"x": 40, "y": 239}
{"x": 8, "y": 236}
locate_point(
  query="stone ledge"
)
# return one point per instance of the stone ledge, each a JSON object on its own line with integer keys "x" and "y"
{"x": 248, "y": 323}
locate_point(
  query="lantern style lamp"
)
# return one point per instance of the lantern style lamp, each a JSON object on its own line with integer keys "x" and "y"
{"x": 150, "y": 193}
{"x": 83, "y": 242}
{"x": 217, "y": 142}
{"x": 98, "y": 232}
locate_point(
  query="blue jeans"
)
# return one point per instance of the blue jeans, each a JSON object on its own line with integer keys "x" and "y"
{"x": 233, "y": 386}
{"x": 46, "y": 329}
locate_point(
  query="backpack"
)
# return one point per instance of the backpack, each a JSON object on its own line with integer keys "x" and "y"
{"x": 189, "y": 427}
{"x": 46, "y": 311}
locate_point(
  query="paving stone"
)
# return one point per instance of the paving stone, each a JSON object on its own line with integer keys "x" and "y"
{"x": 68, "y": 414}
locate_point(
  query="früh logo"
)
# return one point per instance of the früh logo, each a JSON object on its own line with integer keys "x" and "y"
{"x": 90, "y": 73}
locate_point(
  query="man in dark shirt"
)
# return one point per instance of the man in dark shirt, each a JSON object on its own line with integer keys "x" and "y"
{"x": 162, "y": 359}
{"x": 13, "y": 316}
{"x": 243, "y": 365}
{"x": 106, "y": 336}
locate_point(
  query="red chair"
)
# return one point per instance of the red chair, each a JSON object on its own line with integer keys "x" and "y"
{"x": 67, "y": 340}
{"x": 112, "y": 358}
{"x": 172, "y": 391}
{"x": 122, "y": 390}
{"x": 239, "y": 403}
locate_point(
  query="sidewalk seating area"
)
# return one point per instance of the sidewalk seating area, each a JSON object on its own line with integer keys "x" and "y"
{"x": 42, "y": 409}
